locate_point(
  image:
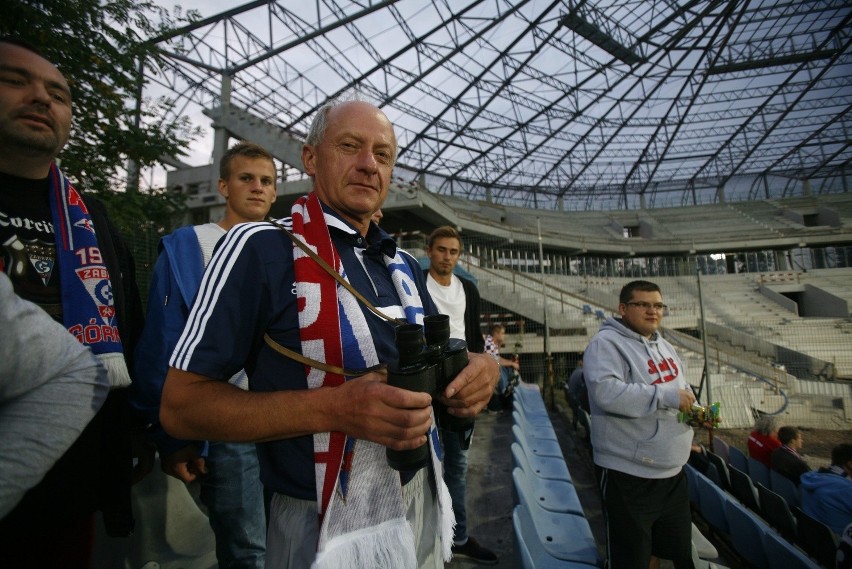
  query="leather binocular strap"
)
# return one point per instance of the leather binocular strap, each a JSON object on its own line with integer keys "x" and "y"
{"x": 296, "y": 356}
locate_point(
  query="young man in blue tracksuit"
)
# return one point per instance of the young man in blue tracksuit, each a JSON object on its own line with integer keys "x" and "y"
{"x": 228, "y": 472}
{"x": 636, "y": 387}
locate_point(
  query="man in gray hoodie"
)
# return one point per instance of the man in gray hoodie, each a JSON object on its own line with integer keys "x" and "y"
{"x": 636, "y": 387}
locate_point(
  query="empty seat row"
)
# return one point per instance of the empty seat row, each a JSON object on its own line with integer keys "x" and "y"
{"x": 550, "y": 528}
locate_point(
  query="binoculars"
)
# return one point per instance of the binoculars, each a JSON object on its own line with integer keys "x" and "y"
{"x": 428, "y": 361}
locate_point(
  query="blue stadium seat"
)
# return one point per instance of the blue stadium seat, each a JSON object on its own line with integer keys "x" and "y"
{"x": 519, "y": 403}
{"x": 587, "y": 309}
{"x": 712, "y": 499}
{"x": 721, "y": 448}
{"x": 737, "y": 458}
{"x": 783, "y": 554}
{"x": 758, "y": 472}
{"x": 692, "y": 484}
{"x": 542, "y": 466}
{"x": 712, "y": 474}
{"x": 536, "y": 446}
{"x": 816, "y": 538}
{"x": 782, "y": 485}
{"x": 563, "y": 537}
{"x": 528, "y": 397}
{"x": 540, "y": 427}
{"x": 552, "y": 495}
{"x": 530, "y": 392}
{"x": 533, "y": 416}
{"x": 724, "y": 478}
{"x": 746, "y": 532}
{"x": 743, "y": 489}
{"x": 600, "y": 315}
{"x": 777, "y": 512}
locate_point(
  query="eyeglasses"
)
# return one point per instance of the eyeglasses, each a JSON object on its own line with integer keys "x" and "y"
{"x": 657, "y": 306}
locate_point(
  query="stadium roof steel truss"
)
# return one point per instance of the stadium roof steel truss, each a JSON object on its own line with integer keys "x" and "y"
{"x": 579, "y": 104}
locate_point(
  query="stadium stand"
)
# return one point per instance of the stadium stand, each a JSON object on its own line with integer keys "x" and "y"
{"x": 711, "y": 227}
{"x": 766, "y": 357}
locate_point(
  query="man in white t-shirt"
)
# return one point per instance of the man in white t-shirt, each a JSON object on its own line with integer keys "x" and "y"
{"x": 458, "y": 298}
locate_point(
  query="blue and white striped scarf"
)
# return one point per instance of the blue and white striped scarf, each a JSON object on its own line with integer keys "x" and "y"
{"x": 88, "y": 308}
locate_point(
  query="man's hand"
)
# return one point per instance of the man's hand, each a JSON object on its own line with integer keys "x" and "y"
{"x": 368, "y": 408}
{"x": 687, "y": 398}
{"x": 471, "y": 390}
{"x": 198, "y": 407}
{"x": 184, "y": 464}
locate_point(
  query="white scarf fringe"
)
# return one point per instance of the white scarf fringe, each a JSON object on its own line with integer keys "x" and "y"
{"x": 116, "y": 368}
{"x": 448, "y": 520}
{"x": 389, "y": 545}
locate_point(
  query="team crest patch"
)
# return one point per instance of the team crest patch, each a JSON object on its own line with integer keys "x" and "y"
{"x": 95, "y": 279}
{"x": 40, "y": 256}
{"x": 42, "y": 260}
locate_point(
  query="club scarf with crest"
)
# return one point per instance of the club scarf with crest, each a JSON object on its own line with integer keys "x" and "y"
{"x": 361, "y": 514}
{"x": 88, "y": 309}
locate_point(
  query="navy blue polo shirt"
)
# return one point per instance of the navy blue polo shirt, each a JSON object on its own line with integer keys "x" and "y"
{"x": 249, "y": 290}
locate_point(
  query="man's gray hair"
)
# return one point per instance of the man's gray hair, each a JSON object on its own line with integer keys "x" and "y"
{"x": 766, "y": 425}
{"x": 320, "y": 122}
